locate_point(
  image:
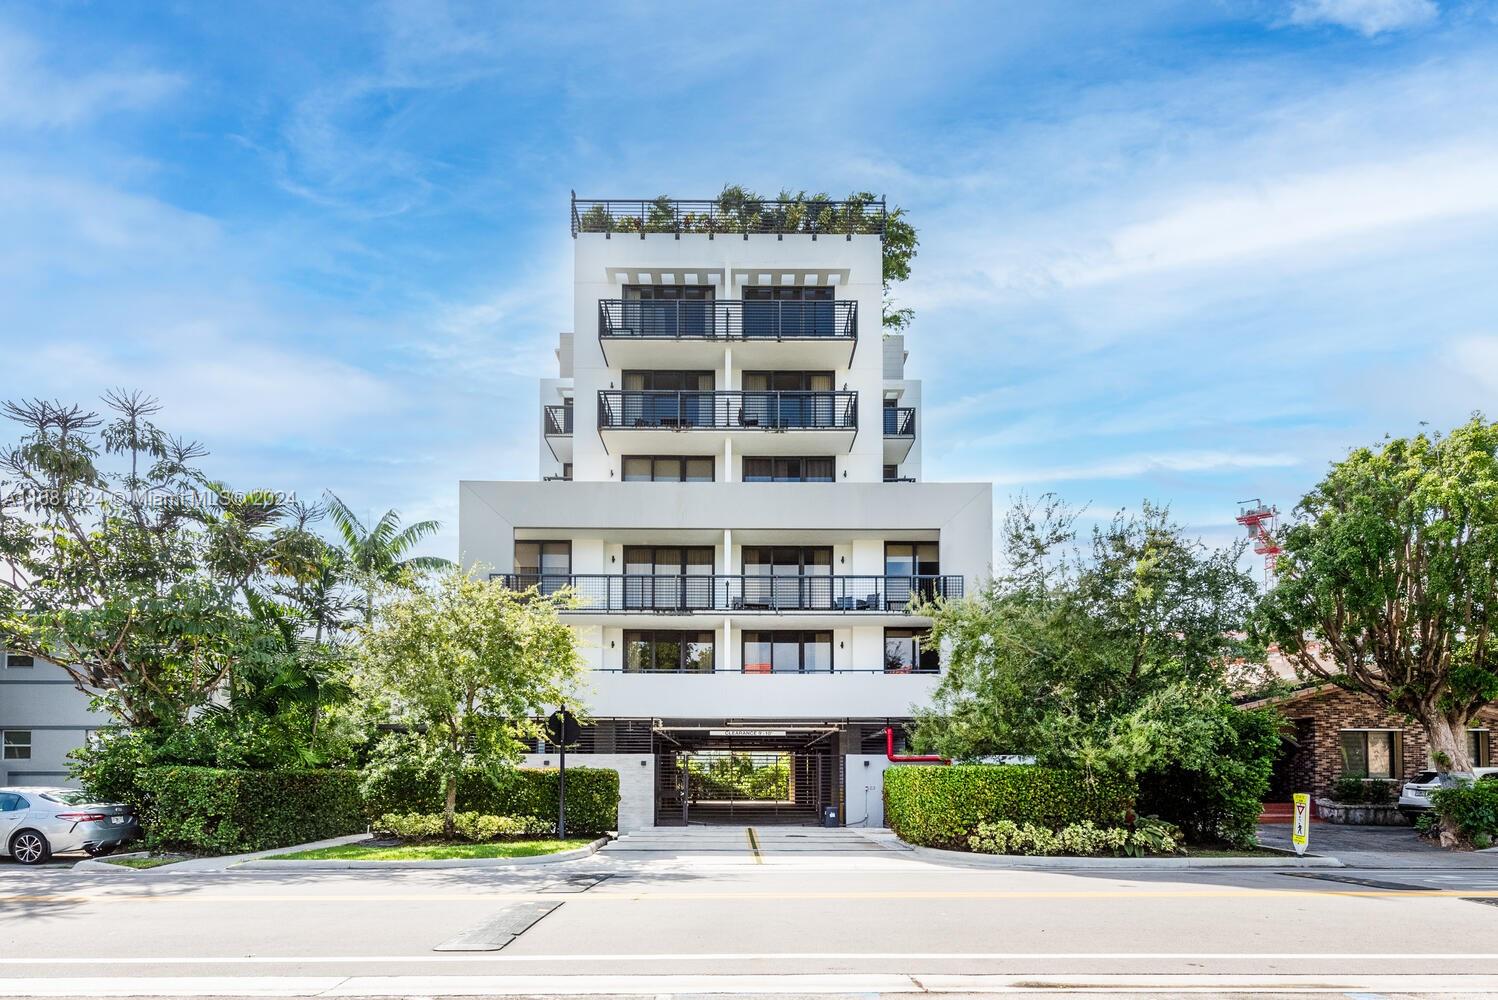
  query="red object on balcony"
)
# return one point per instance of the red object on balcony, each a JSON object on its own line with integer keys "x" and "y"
{"x": 905, "y": 758}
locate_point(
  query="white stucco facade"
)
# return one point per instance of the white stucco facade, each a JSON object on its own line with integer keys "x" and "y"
{"x": 802, "y": 583}
{"x": 42, "y": 718}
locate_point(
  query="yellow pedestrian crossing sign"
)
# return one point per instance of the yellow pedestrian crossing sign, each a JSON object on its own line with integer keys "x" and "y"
{"x": 1300, "y": 836}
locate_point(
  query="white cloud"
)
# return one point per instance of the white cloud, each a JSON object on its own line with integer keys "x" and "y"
{"x": 1134, "y": 466}
{"x": 34, "y": 96}
{"x": 1344, "y": 203}
{"x": 1369, "y": 17}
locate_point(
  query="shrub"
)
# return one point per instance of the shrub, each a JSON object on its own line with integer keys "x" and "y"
{"x": 1220, "y": 798}
{"x": 940, "y": 806}
{"x": 1472, "y": 808}
{"x": 1349, "y": 791}
{"x": 1085, "y": 839}
{"x": 472, "y": 826}
{"x": 214, "y": 811}
{"x": 592, "y": 794}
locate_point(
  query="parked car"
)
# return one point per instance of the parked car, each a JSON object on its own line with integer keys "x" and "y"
{"x": 36, "y": 823}
{"x": 1414, "y": 797}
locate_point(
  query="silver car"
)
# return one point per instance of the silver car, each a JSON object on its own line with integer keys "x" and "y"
{"x": 1414, "y": 797}
{"x": 36, "y": 823}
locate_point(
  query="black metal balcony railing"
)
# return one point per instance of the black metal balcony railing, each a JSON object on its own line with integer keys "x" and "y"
{"x": 559, "y": 420}
{"x": 727, "y": 410}
{"x": 727, "y": 319}
{"x": 678, "y": 593}
{"x": 714, "y": 216}
{"x": 899, "y": 421}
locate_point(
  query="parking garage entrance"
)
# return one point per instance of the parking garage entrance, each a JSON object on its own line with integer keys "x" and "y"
{"x": 741, "y": 776}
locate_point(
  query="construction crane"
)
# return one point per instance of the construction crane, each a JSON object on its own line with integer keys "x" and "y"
{"x": 1258, "y": 518}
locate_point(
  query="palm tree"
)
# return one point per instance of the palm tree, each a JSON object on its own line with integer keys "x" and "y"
{"x": 378, "y": 554}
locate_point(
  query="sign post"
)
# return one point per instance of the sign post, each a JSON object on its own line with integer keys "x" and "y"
{"x": 1300, "y": 835}
{"x": 562, "y": 728}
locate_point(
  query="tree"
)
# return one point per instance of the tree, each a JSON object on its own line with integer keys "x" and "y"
{"x": 1110, "y": 661}
{"x": 130, "y": 579}
{"x": 1387, "y": 576}
{"x": 466, "y": 667}
{"x": 379, "y": 554}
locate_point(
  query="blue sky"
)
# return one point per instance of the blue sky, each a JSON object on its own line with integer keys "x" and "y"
{"x": 1183, "y": 251}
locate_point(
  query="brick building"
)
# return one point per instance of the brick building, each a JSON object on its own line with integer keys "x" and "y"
{"x": 1331, "y": 733}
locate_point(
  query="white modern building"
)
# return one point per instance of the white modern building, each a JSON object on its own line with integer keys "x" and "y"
{"x": 43, "y": 716}
{"x": 731, "y": 483}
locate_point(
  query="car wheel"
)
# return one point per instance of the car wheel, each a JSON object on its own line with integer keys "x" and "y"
{"x": 30, "y": 848}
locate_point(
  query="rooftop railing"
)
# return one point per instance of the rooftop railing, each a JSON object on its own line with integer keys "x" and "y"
{"x": 677, "y": 593}
{"x": 727, "y": 319}
{"x": 621, "y": 409}
{"x": 718, "y": 216}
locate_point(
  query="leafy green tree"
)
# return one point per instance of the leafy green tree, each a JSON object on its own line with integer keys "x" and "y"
{"x": 1387, "y": 576}
{"x": 380, "y": 554}
{"x": 465, "y": 666}
{"x": 1110, "y": 660}
{"x": 126, "y": 566}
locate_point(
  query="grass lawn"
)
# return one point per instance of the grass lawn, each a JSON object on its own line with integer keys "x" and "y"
{"x": 1233, "y": 852}
{"x": 436, "y": 852}
{"x": 142, "y": 862}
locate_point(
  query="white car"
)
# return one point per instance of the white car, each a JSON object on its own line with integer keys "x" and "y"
{"x": 36, "y": 823}
{"x": 1414, "y": 797}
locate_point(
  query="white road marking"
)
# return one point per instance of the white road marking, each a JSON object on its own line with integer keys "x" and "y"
{"x": 841, "y": 983}
{"x": 955, "y": 956}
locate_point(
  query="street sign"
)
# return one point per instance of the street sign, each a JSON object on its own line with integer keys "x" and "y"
{"x": 562, "y": 728}
{"x": 1300, "y": 836}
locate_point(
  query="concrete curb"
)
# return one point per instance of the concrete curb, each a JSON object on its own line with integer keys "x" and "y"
{"x": 333, "y": 864}
{"x": 212, "y": 864}
{"x": 964, "y": 858}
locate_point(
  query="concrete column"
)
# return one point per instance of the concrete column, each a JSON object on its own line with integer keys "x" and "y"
{"x": 728, "y": 656}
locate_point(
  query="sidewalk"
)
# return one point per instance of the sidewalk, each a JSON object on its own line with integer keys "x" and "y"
{"x": 1391, "y": 847}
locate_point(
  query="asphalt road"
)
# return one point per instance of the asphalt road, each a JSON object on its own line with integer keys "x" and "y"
{"x": 688, "y": 915}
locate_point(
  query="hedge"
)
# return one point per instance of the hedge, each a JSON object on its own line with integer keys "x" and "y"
{"x": 592, "y": 795}
{"x": 1472, "y": 807}
{"x": 937, "y": 806}
{"x": 213, "y": 811}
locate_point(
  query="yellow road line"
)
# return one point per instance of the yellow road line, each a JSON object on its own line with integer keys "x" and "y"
{"x": 769, "y": 897}
{"x": 754, "y": 845}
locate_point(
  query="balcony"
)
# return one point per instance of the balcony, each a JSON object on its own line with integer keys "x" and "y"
{"x": 625, "y": 593}
{"x": 788, "y": 334}
{"x": 813, "y": 217}
{"x": 899, "y": 433}
{"x": 665, "y": 422}
{"x": 556, "y": 425}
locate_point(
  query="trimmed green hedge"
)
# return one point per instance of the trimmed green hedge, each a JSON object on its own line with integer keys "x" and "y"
{"x": 939, "y": 806}
{"x": 592, "y": 795}
{"x": 212, "y": 811}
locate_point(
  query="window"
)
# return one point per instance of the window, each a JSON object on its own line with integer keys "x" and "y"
{"x": 788, "y": 311}
{"x": 787, "y": 652}
{"x": 910, "y": 569}
{"x": 1371, "y": 753}
{"x": 567, "y": 471}
{"x": 11, "y": 802}
{"x": 909, "y": 650}
{"x": 662, "y": 650}
{"x": 548, "y": 564}
{"x": 667, "y": 469}
{"x": 17, "y": 744}
{"x": 19, "y": 660}
{"x": 790, "y": 399}
{"x": 787, "y": 576}
{"x": 654, "y": 381}
{"x": 667, "y": 399}
{"x": 668, "y": 576}
{"x": 788, "y": 470}
{"x": 1479, "y": 747}
{"x": 891, "y": 473}
{"x": 668, "y": 310}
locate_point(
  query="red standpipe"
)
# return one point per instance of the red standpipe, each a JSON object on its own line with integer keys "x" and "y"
{"x": 906, "y": 758}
